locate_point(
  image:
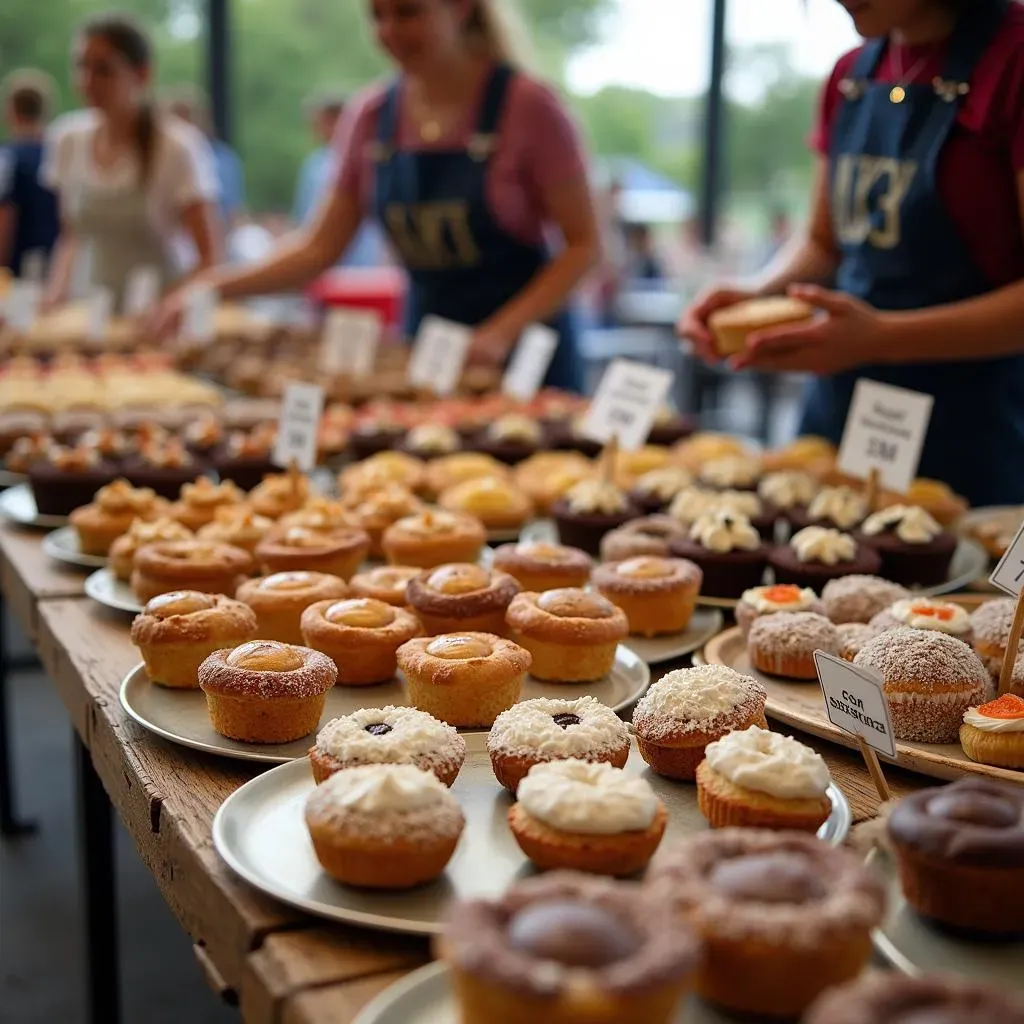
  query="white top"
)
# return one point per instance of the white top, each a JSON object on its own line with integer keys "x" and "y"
{"x": 769, "y": 763}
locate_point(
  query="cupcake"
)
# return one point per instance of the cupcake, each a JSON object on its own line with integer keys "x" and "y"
{"x": 693, "y": 503}
{"x": 859, "y": 598}
{"x": 457, "y": 469}
{"x": 647, "y": 536}
{"x": 121, "y": 557}
{"x": 655, "y": 491}
{"x": 731, "y": 473}
{"x": 990, "y": 630}
{"x": 548, "y": 476}
{"x": 588, "y": 511}
{"x": 926, "y": 613}
{"x": 279, "y": 600}
{"x": 834, "y": 508}
{"x": 164, "y": 467}
{"x": 729, "y": 552}
{"x": 280, "y": 493}
{"x": 993, "y": 733}
{"x": 783, "y": 644}
{"x": 782, "y": 597}
{"x": 200, "y": 502}
{"x": 111, "y": 514}
{"x": 497, "y": 502}
{"x": 540, "y": 566}
{"x": 63, "y": 479}
{"x": 431, "y": 441}
{"x": 238, "y": 526}
{"x": 852, "y": 638}
{"x": 388, "y": 583}
{"x": 816, "y": 555}
{"x": 430, "y": 538}
{"x": 511, "y": 438}
{"x": 246, "y": 457}
{"x": 788, "y": 493}
{"x": 658, "y": 595}
{"x": 914, "y": 549}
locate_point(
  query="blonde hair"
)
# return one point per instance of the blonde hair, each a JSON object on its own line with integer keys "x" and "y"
{"x": 497, "y": 30}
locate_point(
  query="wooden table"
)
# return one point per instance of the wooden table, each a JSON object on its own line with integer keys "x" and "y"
{"x": 282, "y": 966}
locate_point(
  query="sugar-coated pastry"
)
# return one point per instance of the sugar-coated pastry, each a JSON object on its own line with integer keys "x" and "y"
{"x": 782, "y": 597}
{"x": 859, "y": 598}
{"x": 783, "y": 643}
{"x": 926, "y": 613}
{"x": 649, "y": 535}
{"x": 852, "y": 637}
{"x": 990, "y": 629}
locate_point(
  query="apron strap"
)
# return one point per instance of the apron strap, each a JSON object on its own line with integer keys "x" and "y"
{"x": 483, "y": 142}
{"x": 383, "y": 146}
{"x": 972, "y": 37}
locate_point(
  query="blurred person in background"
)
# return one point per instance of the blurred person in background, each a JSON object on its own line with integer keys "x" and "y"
{"x": 28, "y": 210}
{"x": 135, "y": 187}
{"x": 643, "y": 264}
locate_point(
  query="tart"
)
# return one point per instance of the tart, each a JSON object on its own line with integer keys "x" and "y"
{"x": 238, "y": 526}
{"x": 388, "y": 735}
{"x": 926, "y": 613}
{"x": 994, "y": 732}
{"x": 914, "y": 549}
{"x": 380, "y": 509}
{"x": 111, "y": 514}
{"x": 731, "y": 473}
{"x": 387, "y": 583}
{"x": 279, "y": 494}
{"x": 647, "y": 536}
{"x": 200, "y": 502}
{"x": 990, "y": 628}
{"x": 835, "y": 508}
{"x": 63, "y": 479}
{"x": 451, "y": 470}
{"x": 548, "y": 476}
{"x": 338, "y": 552}
{"x": 121, "y": 558}
{"x": 511, "y": 438}
{"x": 587, "y": 816}
{"x": 553, "y": 729}
{"x": 588, "y": 511}
{"x": 572, "y": 635}
{"x": 461, "y": 597}
{"x": 497, "y": 502}
{"x": 729, "y": 552}
{"x": 464, "y": 679}
{"x": 210, "y": 568}
{"x": 788, "y": 493}
{"x": 852, "y": 638}
{"x": 817, "y": 554}
{"x": 783, "y": 643}
{"x": 929, "y": 679}
{"x": 540, "y": 566}
{"x": 782, "y": 597}
{"x": 265, "y": 691}
{"x": 753, "y": 778}
{"x": 383, "y": 826}
{"x": 380, "y": 470}
{"x": 176, "y": 632}
{"x": 431, "y": 538}
{"x": 361, "y": 635}
{"x": 859, "y": 598}
{"x": 320, "y": 513}
{"x": 164, "y": 466}
{"x": 279, "y": 600}
{"x": 655, "y": 491}
{"x": 732, "y": 326}
{"x": 687, "y": 709}
{"x": 658, "y": 595}
{"x": 431, "y": 441}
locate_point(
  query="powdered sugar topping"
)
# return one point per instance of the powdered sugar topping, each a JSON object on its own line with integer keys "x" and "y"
{"x": 412, "y": 735}
{"x": 793, "y": 632}
{"x": 529, "y": 728}
{"x": 859, "y": 598}
{"x": 922, "y": 656}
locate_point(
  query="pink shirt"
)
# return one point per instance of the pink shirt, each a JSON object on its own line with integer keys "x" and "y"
{"x": 539, "y": 150}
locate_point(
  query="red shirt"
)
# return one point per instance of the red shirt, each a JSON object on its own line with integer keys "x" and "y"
{"x": 980, "y": 163}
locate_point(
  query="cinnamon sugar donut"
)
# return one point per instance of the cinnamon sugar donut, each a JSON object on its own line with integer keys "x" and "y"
{"x": 461, "y": 597}
{"x": 658, "y": 595}
{"x": 649, "y": 535}
{"x": 859, "y": 598}
{"x": 210, "y": 568}
{"x": 280, "y": 599}
{"x": 783, "y": 644}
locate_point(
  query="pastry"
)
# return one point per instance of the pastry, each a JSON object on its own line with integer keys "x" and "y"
{"x": 279, "y": 600}
{"x": 782, "y": 597}
{"x": 732, "y": 326}
{"x": 836, "y": 508}
{"x": 388, "y": 735}
{"x": 371, "y": 436}
{"x": 990, "y": 628}
{"x": 431, "y": 538}
{"x": 381, "y": 470}
{"x": 451, "y": 470}
{"x": 238, "y": 526}
{"x": 552, "y": 729}
{"x": 380, "y": 509}
{"x": 782, "y": 915}
{"x": 63, "y": 479}
{"x": 687, "y": 709}
{"x": 630, "y": 466}
{"x": 731, "y": 473}
{"x": 121, "y": 557}
{"x": 540, "y": 566}
{"x": 588, "y": 511}
{"x": 497, "y": 502}
{"x": 654, "y": 491}
{"x": 960, "y": 850}
{"x": 246, "y": 457}
{"x": 929, "y": 679}
{"x": 670, "y": 427}
{"x": 320, "y": 513}
{"x": 994, "y": 732}
{"x": 188, "y": 565}
{"x": 383, "y": 826}
{"x": 926, "y": 613}
{"x": 338, "y": 552}
{"x": 658, "y": 595}
{"x": 728, "y": 550}
{"x": 200, "y": 502}
{"x": 938, "y": 499}
{"x": 204, "y": 435}
{"x": 279, "y": 494}
{"x": 461, "y": 597}
{"x": 111, "y": 514}
{"x": 28, "y": 450}
{"x": 914, "y": 548}
{"x": 693, "y": 503}
{"x": 176, "y": 632}
{"x": 810, "y": 454}
{"x": 587, "y": 816}
{"x": 817, "y": 554}
{"x": 511, "y": 438}
{"x": 165, "y": 466}
{"x": 788, "y": 493}
{"x": 759, "y": 779}
{"x": 361, "y": 635}
{"x": 464, "y": 679}
{"x": 265, "y": 691}
{"x": 387, "y": 583}
{"x": 548, "y": 476}
{"x": 431, "y": 441}
{"x": 572, "y": 635}
{"x": 995, "y": 533}
{"x": 783, "y": 643}
{"x": 646, "y": 536}
{"x": 859, "y": 598}
{"x": 852, "y": 638}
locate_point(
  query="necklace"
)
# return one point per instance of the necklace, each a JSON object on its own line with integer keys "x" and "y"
{"x": 898, "y": 93}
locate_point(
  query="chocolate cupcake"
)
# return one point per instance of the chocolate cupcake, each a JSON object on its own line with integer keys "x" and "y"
{"x": 164, "y": 468}
{"x": 670, "y": 427}
{"x": 691, "y": 503}
{"x": 245, "y": 458}
{"x": 788, "y": 493}
{"x": 431, "y": 441}
{"x": 835, "y": 508}
{"x": 816, "y": 555}
{"x": 18, "y": 424}
{"x": 657, "y": 489}
{"x": 914, "y": 549}
{"x": 67, "y": 478}
{"x": 371, "y": 436}
{"x": 731, "y": 473}
{"x": 568, "y": 436}
{"x": 511, "y": 439}
{"x": 590, "y": 510}
{"x": 204, "y": 436}
{"x": 728, "y": 550}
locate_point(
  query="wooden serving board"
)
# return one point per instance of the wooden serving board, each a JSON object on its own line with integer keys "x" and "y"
{"x": 801, "y": 705}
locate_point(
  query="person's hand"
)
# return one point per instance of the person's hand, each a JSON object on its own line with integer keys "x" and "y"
{"x": 165, "y": 321}
{"x": 490, "y": 346}
{"x": 694, "y": 322}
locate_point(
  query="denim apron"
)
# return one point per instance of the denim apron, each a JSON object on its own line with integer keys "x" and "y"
{"x": 901, "y": 251}
{"x": 461, "y": 262}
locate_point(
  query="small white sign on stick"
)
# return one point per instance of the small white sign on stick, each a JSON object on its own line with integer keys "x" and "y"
{"x": 21, "y": 308}
{"x": 349, "y": 342}
{"x": 626, "y": 403}
{"x": 299, "y": 426}
{"x": 200, "y": 306}
{"x": 141, "y": 291}
{"x": 855, "y": 701}
{"x": 1008, "y": 575}
{"x": 439, "y": 355}
{"x": 529, "y": 364}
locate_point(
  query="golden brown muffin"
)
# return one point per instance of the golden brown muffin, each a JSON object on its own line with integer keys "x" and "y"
{"x": 540, "y": 566}
{"x": 461, "y": 597}
{"x": 280, "y": 599}
{"x": 451, "y": 470}
{"x": 121, "y": 558}
{"x": 378, "y": 510}
{"x": 111, "y": 513}
{"x": 658, "y": 595}
{"x": 200, "y": 501}
{"x": 280, "y": 493}
{"x": 338, "y": 552}
{"x": 238, "y": 526}
{"x": 431, "y": 538}
{"x": 380, "y": 470}
{"x": 188, "y": 565}
{"x": 497, "y": 502}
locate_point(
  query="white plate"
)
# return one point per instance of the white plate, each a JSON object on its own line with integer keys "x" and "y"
{"x": 181, "y": 717}
{"x": 18, "y": 504}
{"x": 105, "y": 588}
{"x": 655, "y": 650}
{"x": 9, "y": 479}
{"x": 62, "y": 545}
{"x": 261, "y": 833}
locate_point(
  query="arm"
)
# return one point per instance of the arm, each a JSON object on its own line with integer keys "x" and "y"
{"x": 203, "y": 226}
{"x": 62, "y": 263}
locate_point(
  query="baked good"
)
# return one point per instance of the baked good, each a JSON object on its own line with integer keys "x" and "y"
{"x": 994, "y": 732}
{"x": 836, "y": 508}
{"x": 320, "y": 513}
{"x": 572, "y": 635}
{"x": 548, "y": 476}
{"x": 461, "y": 597}
{"x": 990, "y": 628}
{"x": 280, "y": 493}
{"x": 728, "y": 550}
{"x": 63, "y": 479}
{"x": 567, "y": 948}
{"x": 754, "y": 778}
{"x": 431, "y": 538}
{"x": 383, "y": 826}
{"x": 937, "y": 498}
{"x": 361, "y": 635}
{"x": 655, "y": 490}
{"x": 496, "y": 501}
{"x": 929, "y": 678}
{"x": 687, "y": 709}
{"x": 783, "y": 643}
{"x": 201, "y": 500}
{"x": 587, "y": 816}
{"x": 540, "y": 566}
{"x": 960, "y": 850}
{"x": 995, "y": 533}
{"x": 926, "y": 613}
{"x": 265, "y": 691}
{"x": 706, "y": 445}
{"x": 451, "y": 470}
{"x": 648, "y": 535}
{"x": 658, "y": 595}
{"x": 588, "y": 511}
{"x": 388, "y": 735}
{"x": 817, "y": 554}
{"x": 188, "y": 565}
{"x": 731, "y": 473}
{"x": 338, "y": 552}
{"x": 852, "y": 638}
{"x": 246, "y": 456}
{"x": 204, "y": 435}
{"x": 379, "y": 470}
{"x": 164, "y": 466}
{"x": 238, "y": 526}
{"x": 914, "y": 549}
{"x": 732, "y": 326}
{"x": 782, "y": 597}
{"x": 431, "y": 441}
{"x": 387, "y": 583}
{"x": 379, "y": 509}
{"x": 693, "y": 503}
{"x": 370, "y": 436}
{"x": 859, "y": 598}
{"x": 669, "y": 427}
{"x": 629, "y": 465}
{"x": 111, "y": 514}
{"x": 279, "y": 600}
{"x": 552, "y": 729}
{"x": 465, "y": 679}
{"x": 121, "y": 557}
{"x": 511, "y": 438}
{"x": 788, "y": 492}
{"x": 28, "y": 450}
{"x": 782, "y": 915}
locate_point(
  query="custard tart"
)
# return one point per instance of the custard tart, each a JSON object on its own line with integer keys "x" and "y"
{"x": 280, "y": 599}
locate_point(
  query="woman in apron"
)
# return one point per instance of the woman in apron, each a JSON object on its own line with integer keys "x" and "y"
{"x": 918, "y": 222}
{"x": 135, "y": 189}
{"x": 469, "y": 165}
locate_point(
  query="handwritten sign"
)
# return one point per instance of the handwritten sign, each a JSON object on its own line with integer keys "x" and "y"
{"x": 349, "y": 342}
{"x": 439, "y": 355}
{"x": 299, "y": 426}
{"x": 101, "y": 305}
{"x": 855, "y": 701}
{"x": 626, "y": 403}
{"x": 141, "y": 291}
{"x": 1008, "y": 575}
{"x": 529, "y": 364}
{"x": 885, "y": 431}
{"x": 200, "y": 307}
{"x": 21, "y": 308}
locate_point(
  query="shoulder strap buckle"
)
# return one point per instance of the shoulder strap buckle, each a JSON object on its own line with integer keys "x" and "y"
{"x": 950, "y": 90}
{"x": 480, "y": 146}
{"x": 852, "y": 88}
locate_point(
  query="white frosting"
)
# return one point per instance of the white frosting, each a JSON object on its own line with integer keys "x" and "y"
{"x": 664, "y": 483}
{"x": 515, "y": 427}
{"x": 432, "y": 437}
{"x": 913, "y": 612}
{"x": 530, "y": 726}
{"x": 913, "y": 525}
{"x": 840, "y": 505}
{"x": 788, "y": 489}
{"x": 770, "y": 763}
{"x": 757, "y": 598}
{"x": 818, "y": 544}
{"x": 972, "y": 716}
{"x": 725, "y": 531}
{"x": 730, "y": 471}
{"x": 592, "y": 799}
{"x": 698, "y": 694}
{"x": 693, "y": 502}
{"x": 414, "y": 734}
{"x": 380, "y": 788}
{"x": 596, "y": 496}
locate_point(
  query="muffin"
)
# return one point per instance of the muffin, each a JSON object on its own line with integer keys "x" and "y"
{"x": 926, "y": 613}
{"x": 387, "y": 583}
{"x": 649, "y": 535}
{"x": 238, "y": 526}
{"x": 852, "y": 638}
{"x": 654, "y": 491}
{"x": 461, "y": 597}
{"x": 378, "y": 510}
{"x": 164, "y": 467}
{"x": 548, "y": 476}
{"x": 783, "y": 644}
{"x": 188, "y": 565}
{"x": 280, "y": 493}
{"x": 339, "y": 552}
{"x": 728, "y": 551}
{"x": 990, "y": 630}
{"x": 782, "y": 597}
{"x": 430, "y": 441}
{"x": 111, "y": 513}
{"x": 859, "y": 598}
{"x": 540, "y": 566}
{"x": 732, "y": 326}
{"x": 994, "y": 732}
{"x": 694, "y": 503}
{"x": 511, "y": 438}
{"x": 200, "y": 501}
{"x": 63, "y": 479}
{"x": 658, "y": 595}
{"x": 121, "y": 557}
{"x": 809, "y": 454}
{"x": 834, "y": 508}
{"x": 588, "y": 511}
{"x": 279, "y": 600}
{"x": 432, "y": 538}
{"x": 321, "y": 514}
{"x": 913, "y": 548}
{"x": 816, "y": 555}
{"x": 452, "y": 470}
{"x": 497, "y": 502}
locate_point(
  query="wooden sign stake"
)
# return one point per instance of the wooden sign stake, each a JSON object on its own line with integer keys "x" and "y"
{"x": 874, "y": 769}
{"x": 871, "y": 489}
{"x": 609, "y": 457}
{"x": 294, "y": 474}
{"x": 1010, "y": 657}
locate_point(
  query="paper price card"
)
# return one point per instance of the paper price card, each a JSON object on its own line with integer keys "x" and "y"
{"x": 299, "y": 426}
{"x": 529, "y": 364}
{"x": 438, "y": 355}
{"x": 101, "y": 305}
{"x": 200, "y": 307}
{"x": 626, "y": 403}
{"x": 885, "y": 431}
{"x": 22, "y": 304}
{"x": 350, "y": 341}
{"x": 855, "y": 702}
{"x": 1008, "y": 575}
{"x": 141, "y": 291}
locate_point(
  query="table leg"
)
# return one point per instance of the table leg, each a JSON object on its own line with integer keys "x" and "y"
{"x": 10, "y": 824}
{"x": 96, "y": 863}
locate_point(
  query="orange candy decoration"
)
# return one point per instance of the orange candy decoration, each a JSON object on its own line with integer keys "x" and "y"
{"x": 944, "y": 614}
{"x": 1007, "y": 706}
{"x": 783, "y": 593}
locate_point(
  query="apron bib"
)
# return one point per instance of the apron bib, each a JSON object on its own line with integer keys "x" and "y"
{"x": 461, "y": 262}
{"x": 901, "y": 250}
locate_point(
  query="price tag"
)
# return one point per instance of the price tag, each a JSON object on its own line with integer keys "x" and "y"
{"x": 350, "y": 341}
{"x": 627, "y": 400}
{"x": 1008, "y": 575}
{"x": 299, "y": 426}
{"x": 855, "y": 701}
{"x": 101, "y": 305}
{"x": 438, "y": 355}
{"x": 22, "y": 305}
{"x": 885, "y": 430}
{"x": 200, "y": 306}
{"x": 141, "y": 291}
{"x": 530, "y": 362}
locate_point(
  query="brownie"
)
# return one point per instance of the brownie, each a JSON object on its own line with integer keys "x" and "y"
{"x": 789, "y": 569}
{"x": 727, "y": 574}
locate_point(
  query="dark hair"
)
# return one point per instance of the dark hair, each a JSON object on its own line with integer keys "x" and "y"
{"x": 124, "y": 34}
{"x": 30, "y": 94}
